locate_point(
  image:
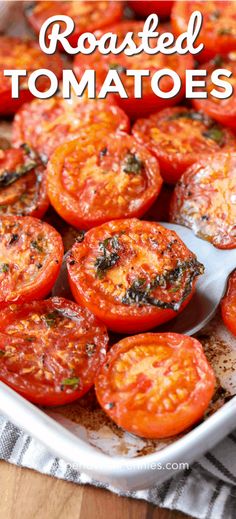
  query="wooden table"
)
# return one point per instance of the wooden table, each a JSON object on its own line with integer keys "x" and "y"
{"x": 25, "y": 494}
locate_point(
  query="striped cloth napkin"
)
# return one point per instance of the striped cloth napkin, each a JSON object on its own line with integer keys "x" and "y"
{"x": 207, "y": 490}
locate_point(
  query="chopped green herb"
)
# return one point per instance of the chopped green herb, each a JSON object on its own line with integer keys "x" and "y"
{"x": 116, "y": 66}
{"x": 110, "y": 405}
{"x": 50, "y": 318}
{"x": 90, "y": 349}
{"x": 192, "y": 115}
{"x": 71, "y": 382}
{"x": 29, "y": 339}
{"x": 217, "y": 60}
{"x": 109, "y": 257}
{"x": 4, "y": 267}
{"x": 9, "y": 177}
{"x": 35, "y": 245}
{"x": 216, "y": 134}
{"x": 80, "y": 237}
{"x": 14, "y": 238}
{"x": 214, "y": 15}
{"x": 225, "y": 31}
{"x": 132, "y": 164}
{"x": 2, "y": 353}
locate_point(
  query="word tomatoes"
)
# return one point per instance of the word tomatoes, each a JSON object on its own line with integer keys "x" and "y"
{"x": 132, "y": 274}
{"x": 155, "y": 385}
{"x": 50, "y": 351}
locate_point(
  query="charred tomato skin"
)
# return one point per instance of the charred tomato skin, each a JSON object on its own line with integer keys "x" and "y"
{"x": 51, "y": 350}
{"x": 32, "y": 252}
{"x": 177, "y": 136}
{"x": 155, "y": 385}
{"x": 105, "y": 178}
{"x": 228, "y": 305}
{"x": 133, "y": 275}
{"x": 203, "y": 200}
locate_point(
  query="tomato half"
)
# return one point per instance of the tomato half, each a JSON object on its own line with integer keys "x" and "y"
{"x": 132, "y": 274}
{"x": 146, "y": 7}
{"x": 22, "y": 183}
{"x": 47, "y": 124}
{"x": 178, "y": 136}
{"x": 50, "y": 351}
{"x": 31, "y": 255}
{"x": 204, "y": 199}
{"x": 155, "y": 385}
{"x": 99, "y": 178}
{"x": 222, "y": 110}
{"x": 228, "y": 305}
{"x": 218, "y": 32}
{"x": 87, "y": 15}
{"x": 149, "y": 102}
{"x": 23, "y": 54}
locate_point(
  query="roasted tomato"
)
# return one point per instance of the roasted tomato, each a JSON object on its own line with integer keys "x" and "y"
{"x": 144, "y": 8}
{"x": 50, "y": 351}
{"x": 222, "y": 110}
{"x": 27, "y": 55}
{"x": 218, "y": 32}
{"x": 96, "y": 179}
{"x": 31, "y": 256}
{"x": 228, "y": 305}
{"x": 149, "y": 102}
{"x": 22, "y": 183}
{"x": 87, "y": 16}
{"x": 132, "y": 274}
{"x": 178, "y": 136}
{"x": 47, "y": 124}
{"x": 204, "y": 199}
{"x": 155, "y": 385}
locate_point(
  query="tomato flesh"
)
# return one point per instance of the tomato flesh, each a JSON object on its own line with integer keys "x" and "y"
{"x": 228, "y": 305}
{"x": 178, "y": 136}
{"x": 26, "y": 55}
{"x": 22, "y": 183}
{"x": 31, "y": 254}
{"x": 47, "y": 124}
{"x": 132, "y": 274}
{"x": 155, "y": 385}
{"x": 50, "y": 351}
{"x": 146, "y": 7}
{"x": 99, "y": 178}
{"x": 204, "y": 199}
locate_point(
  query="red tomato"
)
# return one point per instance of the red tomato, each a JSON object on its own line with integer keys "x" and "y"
{"x": 204, "y": 199}
{"x": 87, "y": 16}
{"x": 228, "y": 305}
{"x": 121, "y": 62}
{"x": 218, "y": 32}
{"x": 26, "y": 55}
{"x": 45, "y": 124}
{"x": 99, "y": 178}
{"x": 31, "y": 255}
{"x": 178, "y": 136}
{"x": 155, "y": 385}
{"x": 50, "y": 351}
{"x": 22, "y": 183}
{"x": 222, "y": 110}
{"x": 132, "y": 274}
{"x": 146, "y": 7}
